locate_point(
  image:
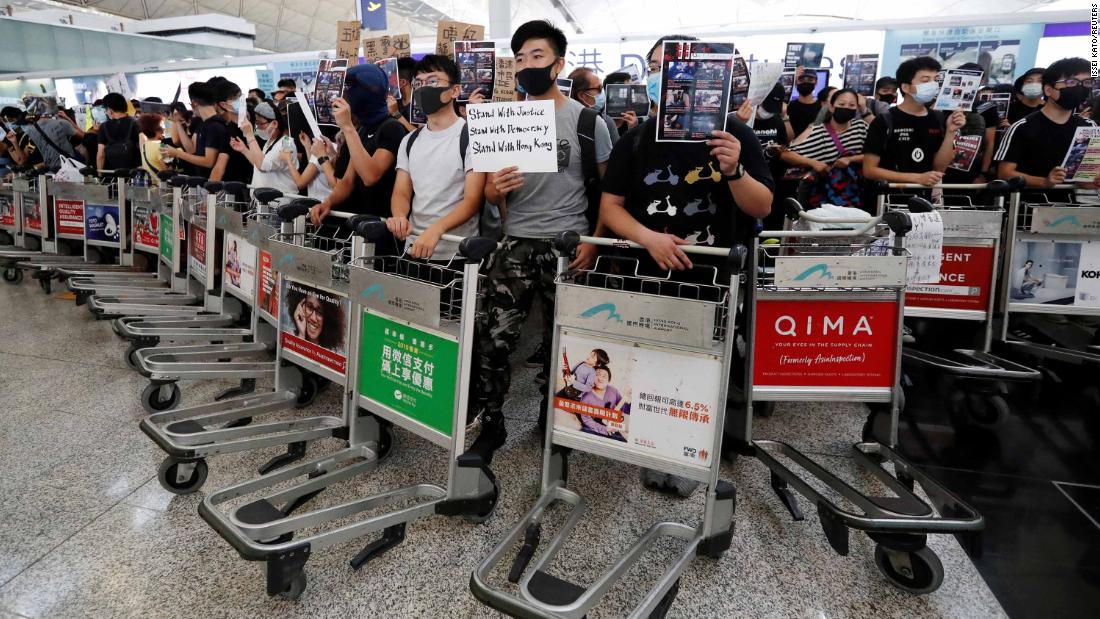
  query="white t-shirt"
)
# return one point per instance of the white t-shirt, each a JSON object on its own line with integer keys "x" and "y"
{"x": 319, "y": 187}
{"x": 274, "y": 172}
{"x": 439, "y": 182}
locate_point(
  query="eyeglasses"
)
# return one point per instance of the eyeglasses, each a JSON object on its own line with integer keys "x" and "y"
{"x": 1070, "y": 82}
{"x": 654, "y": 68}
{"x": 432, "y": 82}
{"x": 310, "y": 309}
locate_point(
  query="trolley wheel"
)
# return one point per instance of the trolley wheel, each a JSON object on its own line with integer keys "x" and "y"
{"x": 493, "y": 501}
{"x": 167, "y": 475}
{"x": 922, "y": 575}
{"x": 13, "y": 275}
{"x": 131, "y": 358}
{"x": 296, "y": 587}
{"x": 763, "y": 409}
{"x": 385, "y": 442}
{"x": 152, "y": 401}
{"x": 311, "y": 386}
{"x": 987, "y": 410}
{"x": 45, "y": 283}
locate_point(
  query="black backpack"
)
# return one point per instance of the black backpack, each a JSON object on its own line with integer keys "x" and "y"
{"x": 121, "y": 152}
{"x": 463, "y": 142}
{"x": 586, "y": 135}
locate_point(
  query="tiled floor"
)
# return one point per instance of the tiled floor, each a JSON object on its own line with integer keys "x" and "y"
{"x": 86, "y": 531}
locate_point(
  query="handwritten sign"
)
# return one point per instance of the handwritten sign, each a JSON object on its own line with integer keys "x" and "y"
{"x": 925, "y": 245}
{"x": 389, "y": 46}
{"x": 762, "y": 78}
{"x": 504, "y": 89}
{"x": 520, "y": 134}
{"x": 447, "y": 32}
{"x": 347, "y": 41}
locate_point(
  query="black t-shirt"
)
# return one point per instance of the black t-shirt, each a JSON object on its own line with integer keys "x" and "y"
{"x": 375, "y": 199}
{"x": 1037, "y": 144}
{"x": 912, "y": 145}
{"x": 30, "y": 149}
{"x": 210, "y": 133}
{"x": 802, "y": 115}
{"x": 1018, "y": 110}
{"x": 238, "y": 168}
{"x": 118, "y": 130}
{"x": 698, "y": 206}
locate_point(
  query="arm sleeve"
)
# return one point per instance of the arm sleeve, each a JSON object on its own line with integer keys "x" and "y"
{"x": 101, "y": 135}
{"x": 217, "y": 137}
{"x": 1013, "y": 144}
{"x": 585, "y": 381}
{"x": 390, "y": 135}
{"x": 876, "y": 137}
{"x": 616, "y": 180}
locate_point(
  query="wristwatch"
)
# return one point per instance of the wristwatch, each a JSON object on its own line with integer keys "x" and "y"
{"x": 738, "y": 173}
{"x": 785, "y": 118}
{"x": 396, "y": 115}
{"x": 322, "y": 160}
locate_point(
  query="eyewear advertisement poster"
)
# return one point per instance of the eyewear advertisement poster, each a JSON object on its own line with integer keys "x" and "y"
{"x": 388, "y": 46}
{"x": 807, "y": 55}
{"x": 389, "y": 67}
{"x": 477, "y": 63}
{"x": 101, "y": 223}
{"x": 7, "y": 212}
{"x": 146, "y": 235}
{"x": 409, "y": 370}
{"x": 447, "y": 32}
{"x": 965, "y": 275}
{"x": 859, "y": 73}
{"x": 626, "y": 394}
{"x": 196, "y": 252}
{"x": 523, "y": 133}
{"x": 1004, "y": 52}
{"x": 1082, "y": 160}
{"x": 695, "y": 90}
{"x": 825, "y": 343}
{"x": 268, "y": 301}
{"x": 70, "y": 216}
{"x": 623, "y": 98}
{"x": 958, "y": 91}
{"x": 313, "y": 324}
{"x": 167, "y": 231}
{"x": 504, "y": 86}
{"x": 240, "y": 265}
{"x": 329, "y": 87}
{"x": 739, "y": 85}
{"x": 966, "y": 151}
{"x": 1056, "y": 273}
{"x": 32, "y": 214}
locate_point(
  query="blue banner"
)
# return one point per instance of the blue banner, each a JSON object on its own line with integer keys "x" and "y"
{"x": 101, "y": 223}
{"x": 265, "y": 80}
{"x": 372, "y": 14}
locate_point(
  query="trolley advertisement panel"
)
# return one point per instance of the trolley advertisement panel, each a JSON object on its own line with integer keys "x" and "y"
{"x": 625, "y": 394}
{"x": 966, "y": 275}
{"x": 167, "y": 228}
{"x": 196, "y": 252}
{"x": 32, "y": 214}
{"x": 101, "y": 224}
{"x": 146, "y": 233}
{"x": 313, "y": 323}
{"x": 70, "y": 218}
{"x": 268, "y": 301}
{"x": 240, "y": 267}
{"x": 1057, "y": 273}
{"x": 7, "y": 212}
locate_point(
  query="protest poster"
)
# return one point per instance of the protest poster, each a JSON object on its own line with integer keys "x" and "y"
{"x": 959, "y": 90}
{"x": 762, "y": 79}
{"x": 313, "y": 324}
{"x": 1001, "y": 99}
{"x": 787, "y": 79}
{"x": 860, "y": 71}
{"x": 70, "y": 216}
{"x": 328, "y": 87}
{"x": 268, "y": 294}
{"x": 389, "y": 67}
{"x": 645, "y": 400}
{"x": 388, "y": 46}
{"x": 522, "y": 133}
{"x": 240, "y": 266}
{"x": 739, "y": 84}
{"x": 504, "y": 86}
{"x": 565, "y": 85}
{"x": 1082, "y": 160}
{"x": 622, "y": 98}
{"x": 416, "y": 114}
{"x": 144, "y": 221}
{"x": 447, "y": 32}
{"x": 695, "y": 90}
{"x": 476, "y": 62}
{"x": 808, "y": 55}
{"x": 347, "y": 41}
{"x": 966, "y": 151}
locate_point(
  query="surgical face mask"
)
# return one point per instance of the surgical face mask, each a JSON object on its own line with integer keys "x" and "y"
{"x": 430, "y": 98}
{"x": 264, "y": 134}
{"x": 1031, "y": 90}
{"x": 235, "y": 106}
{"x": 805, "y": 88}
{"x": 653, "y": 87}
{"x": 601, "y": 100}
{"x": 536, "y": 81}
{"x": 844, "y": 115}
{"x": 1072, "y": 97}
{"x": 926, "y": 92}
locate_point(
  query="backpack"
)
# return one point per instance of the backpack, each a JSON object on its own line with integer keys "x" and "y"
{"x": 463, "y": 142}
{"x": 590, "y": 171}
{"x": 122, "y": 153}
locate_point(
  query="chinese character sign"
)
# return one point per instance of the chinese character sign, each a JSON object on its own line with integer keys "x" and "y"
{"x": 347, "y": 41}
{"x": 447, "y": 32}
{"x": 504, "y": 89}
{"x": 408, "y": 370}
{"x": 380, "y": 48}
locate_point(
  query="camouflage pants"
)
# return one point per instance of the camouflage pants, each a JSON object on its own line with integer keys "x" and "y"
{"x": 520, "y": 269}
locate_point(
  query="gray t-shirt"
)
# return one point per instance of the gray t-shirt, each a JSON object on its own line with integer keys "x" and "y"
{"x": 59, "y": 133}
{"x": 439, "y": 182}
{"x": 550, "y": 203}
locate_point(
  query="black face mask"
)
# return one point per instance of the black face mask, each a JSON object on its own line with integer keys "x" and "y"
{"x": 888, "y": 99}
{"x": 1072, "y": 97}
{"x": 430, "y": 98}
{"x": 805, "y": 88}
{"x": 843, "y": 115}
{"x": 536, "y": 81}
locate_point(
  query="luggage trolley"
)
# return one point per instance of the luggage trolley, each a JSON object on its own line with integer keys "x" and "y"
{"x": 1061, "y": 241}
{"x": 189, "y": 436}
{"x": 34, "y": 238}
{"x": 825, "y": 325}
{"x": 427, "y": 311}
{"x": 9, "y": 223}
{"x": 974, "y": 379}
{"x": 676, "y": 340}
{"x": 246, "y": 361}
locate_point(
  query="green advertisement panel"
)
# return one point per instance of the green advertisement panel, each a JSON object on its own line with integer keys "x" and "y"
{"x": 409, "y": 370}
{"x": 167, "y": 229}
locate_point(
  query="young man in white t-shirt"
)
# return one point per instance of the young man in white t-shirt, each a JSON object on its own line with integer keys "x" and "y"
{"x": 436, "y": 190}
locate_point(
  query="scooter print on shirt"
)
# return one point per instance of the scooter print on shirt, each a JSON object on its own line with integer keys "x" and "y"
{"x": 654, "y": 177}
{"x": 695, "y": 207}
{"x": 697, "y": 175}
{"x": 653, "y": 210}
{"x": 698, "y": 239}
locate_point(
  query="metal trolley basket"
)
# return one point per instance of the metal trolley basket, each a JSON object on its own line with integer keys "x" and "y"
{"x": 413, "y": 309}
{"x": 30, "y": 221}
{"x": 825, "y": 325}
{"x": 678, "y": 337}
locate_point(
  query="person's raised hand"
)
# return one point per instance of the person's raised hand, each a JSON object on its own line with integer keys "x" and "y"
{"x": 507, "y": 180}
{"x": 1056, "y": 176}
{"x": 727, "y": 149}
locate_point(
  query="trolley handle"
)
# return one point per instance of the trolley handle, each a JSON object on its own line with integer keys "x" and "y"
{"x": 194, "y": 182}
{"x": 266, "y": 195}
{"x": 566, "y": 243}
{"x": 298, "y": 207}
{"x": 472, "y": 248}
{"x": 995, "y": 187}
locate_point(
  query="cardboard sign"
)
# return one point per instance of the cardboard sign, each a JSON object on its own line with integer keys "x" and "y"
{"x": 504, "y": 88}
{"x": 447, "y": 32}
{"x": 520, "y": 134}
{"x": 965, "y": 276}
{"x": 825, "y": 343}
{"x": 389, "y": 46}
{"x": 70, "y": 216}
{"x": 347, "y": 41}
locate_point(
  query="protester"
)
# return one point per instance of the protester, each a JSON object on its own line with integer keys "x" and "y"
{"x": 118, "y": 137}
{"x": 588, "y": 91}
{"x": 536, "y": 208}
{"x": 270, "y": 168}
{"x": 823, "y": 97}
{"x": 886, "y": 95}
{"x": 255, "y": 96}
{"x": 833, "y": 154}
{"x": 149, "y": 141}
{"x": 436, "y": 192}
{"x": 629, "y": 119}
{"x": 1027, "y": 95}
{"x": 773, "y": 130}
{"x": 982, "y": 123}
{"x": 399, "y": 110}
{"x": 21, "y": 149}
{"x": 803, "y": 110}
{"x": 206, "y": 142}
{"x": 51, "y": 136}
{"x": 285, "y": 89}
{"x": 317, "y": 178}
